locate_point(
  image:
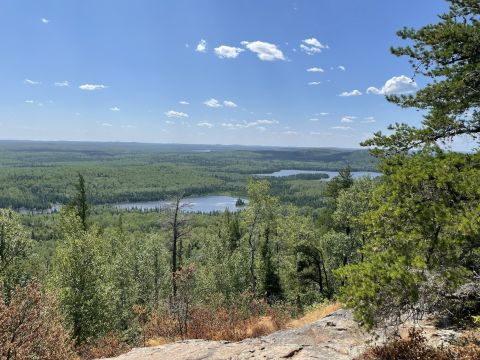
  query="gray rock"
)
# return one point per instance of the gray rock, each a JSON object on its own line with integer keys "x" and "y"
{"x": 336, "y": 336}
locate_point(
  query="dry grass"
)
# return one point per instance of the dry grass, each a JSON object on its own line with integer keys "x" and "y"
{"x": 313, "y": 315}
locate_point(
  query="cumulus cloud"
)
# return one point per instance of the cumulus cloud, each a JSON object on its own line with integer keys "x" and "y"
{"x": 351, "y": 93}
{"x": 183, "y": 102}
{"x": 45, "y": 21}
{"x": 31, "y": 82}
{"x": 264, "y": 50}
{"x": 201, "y": 46}
{"x": 62, "y": 83}
{"x": 341, "y": 67}
{"x": 342, "y": 128}
{"x": 230, "y": 104}
{"x": 396, "y": 85}
{"x": 213, "y": 103}
{"x": 227, "y": 52}
{"x": 205, "y": 124}
{"x": 315, "y": 69}
{"x": 114, "y": 109}
{"x": 91, "y": 87}
{"x": 176, "y": 114}
{"x": 312, "y": 46}
{"x": 314, "y": 83}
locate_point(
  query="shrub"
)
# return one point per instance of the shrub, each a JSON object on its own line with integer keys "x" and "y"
{"x": 31, "y": 327}
{"x": 416, "y": 347}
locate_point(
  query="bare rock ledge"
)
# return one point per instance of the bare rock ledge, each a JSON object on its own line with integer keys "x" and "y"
{"x": 336, "y": 336}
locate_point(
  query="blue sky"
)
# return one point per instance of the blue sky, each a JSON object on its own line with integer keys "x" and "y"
{"x": 263, "y": 72}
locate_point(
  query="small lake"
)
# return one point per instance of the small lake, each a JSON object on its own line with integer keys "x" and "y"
{"x": 331, "y": 174}
{"x": 205, "y": 204}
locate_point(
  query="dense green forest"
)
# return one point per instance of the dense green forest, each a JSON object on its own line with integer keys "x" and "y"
{"x": 93, "y": 280}
{"x": 39, "y": 174}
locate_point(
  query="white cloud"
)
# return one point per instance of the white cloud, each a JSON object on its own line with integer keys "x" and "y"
{"x": 312, "y": 46}
{"x": 45, "y": 21}
{"x": 128, "y": 126}
{"x": 314, "y": 83}
{"x": 313, "y": 119}
{"x": 342, "y": 128}
{"x": 251, "y": 124}
{"x": 107, "y": 124}
{"x": 213, "y": 103}
{"x": 227, "y": 52}
{"x": 183, "y": 102}
{"x": 320, "y": 133}
{"x": 267, "y": 122}
{"x": 176, "y": 114}
{"x": 91, "y": 87}
{"x": 347, "y": 119}
{"x": 205, "y": 124}
{"x": 290, "y": 132}
{"x": 31, "y": 82}
{"x": 396, "y": 85}
{"x": 368, "y": 119}
{"x": 322, "y": 114}
{"x": 315, "y": 69}
{"x": 341, "y": 67}
{"x": 230, "y": 104}
{"x": 201, "y": 46}
{"x": 30, "y": 101}
{"x": 351, "y": 93}
{"x": 62, "y": 83}
{"x": 169, "y": 122}
{"x": 115, "y": 109}
{"x": 264, "y": 50}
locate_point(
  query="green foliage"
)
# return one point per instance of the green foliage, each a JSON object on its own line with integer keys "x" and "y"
{"x": 448, "y": 53}
{"x": 15, "y": 250}
{"x": 423, "y": 237}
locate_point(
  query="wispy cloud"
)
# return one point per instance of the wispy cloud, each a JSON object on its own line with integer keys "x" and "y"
{"x": 315, "y": 69}
{"x": 347, "y": 119}
{"x": 290, "y": 132}
{"x": 322, "y": 113}
{"x": 342, "y": 128}
{"x": 312, "y": 46}
{"x": 213, "y": 103}
{"x": 368, "y": 119}
{"x": 341, "y": 67}
{"x": 107, "y": 124}
{"x": 230, "y": 104}
{"x": 351, "y": 93}
{"x": 31, "y": 82}
{"x": 227, "y": 52}
{"x": 201, "y": 46}
{"x": 320, "y": 133}
{"x": 396, "y": 85}
{"x": 62, "y": 83}
{"x": 176, "y": 114}
{"x": 92, "y": 87}
{"x": 313, "y": 119}
{"x": 205, "y": 124}
{"x": 44, "y": 20}
{"x": 264, "y": 50}
{"x": 314, "y": 83}
{"x": 115, "y": 109}
{"x": 183, "y": 102}
{"x": 252, "y": 124}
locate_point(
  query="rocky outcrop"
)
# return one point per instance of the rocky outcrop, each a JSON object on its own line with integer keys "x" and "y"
{"x": 336, "y": 336}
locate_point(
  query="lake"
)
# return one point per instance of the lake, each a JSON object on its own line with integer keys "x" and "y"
{"x": 205, "y": 204}
{"x": 331, "y": 174}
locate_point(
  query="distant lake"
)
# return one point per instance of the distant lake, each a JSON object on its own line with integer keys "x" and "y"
{"x": 331, "y": 174}
{"x": 205, "y": 204}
